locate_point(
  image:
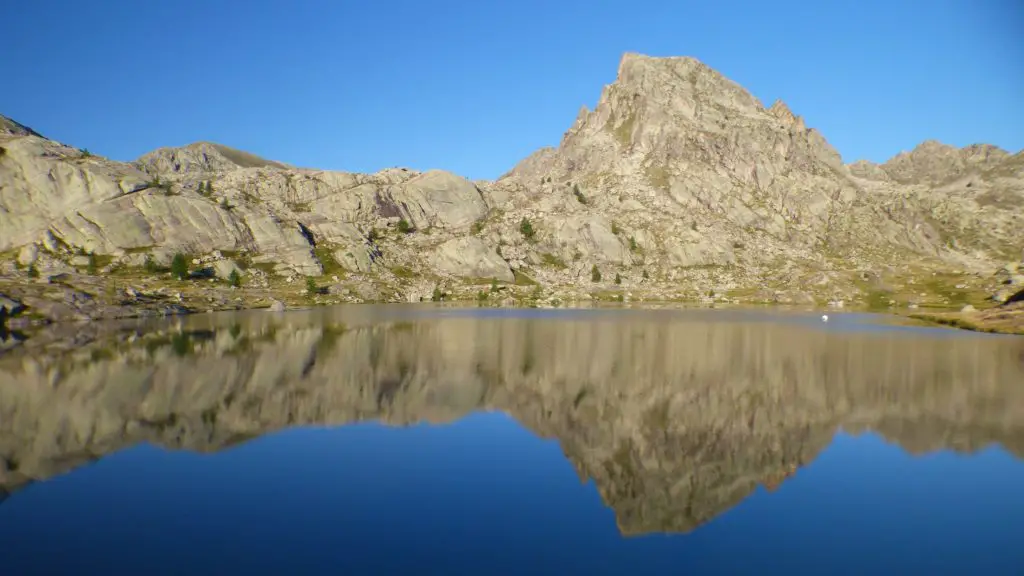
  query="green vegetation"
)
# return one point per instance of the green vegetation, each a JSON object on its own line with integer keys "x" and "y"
{"x": 149, "y": 265}
{"x": 477, "y": 227}
{"x": 86, "y": 153}
{"x": 618, "y": 279}
{"x": 326, "y": 257}
{"x": 179, "y": 266}
{"x": 311, "y": 287}
{"x": 33, "y": 272}
{"x": 91, "y": 268}
{"x": 234, "y": 279}
{"x": 3, "y": 151}
{"x": 225, "y": 205}
{"x": 595, "y": 274}
{"x": 579, "y": 195}
{"x": 481, "y": 295}
{"x": 521, "y": 279}
{"x": 373, "y": 235}
{"x": 494, "y": 285}
{"x": 404, "y": 227}
{"x": 553, "y": 261}
{"x": 437, "y": 294}
{"x": 403, "y": 272}
{"x": 526, "y": 229}
{"x": 615, "y": 229}
{"x": 646, "y": 275}
{"x": 633, "y": 246}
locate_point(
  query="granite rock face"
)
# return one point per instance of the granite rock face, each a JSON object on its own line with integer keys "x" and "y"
{"x": 679, "y": 176}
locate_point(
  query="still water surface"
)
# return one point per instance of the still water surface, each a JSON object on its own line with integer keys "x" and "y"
{"x": 388, "y": 440}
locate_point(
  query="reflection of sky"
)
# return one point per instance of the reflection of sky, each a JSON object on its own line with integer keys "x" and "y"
{"x": 485, "y": 496}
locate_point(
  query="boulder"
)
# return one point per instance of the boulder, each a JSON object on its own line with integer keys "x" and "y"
{"x": 470, "y": 257}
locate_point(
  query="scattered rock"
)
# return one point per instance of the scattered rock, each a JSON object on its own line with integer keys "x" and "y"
{"x": 276, "y": 306}
{"x": 967, "y": 309}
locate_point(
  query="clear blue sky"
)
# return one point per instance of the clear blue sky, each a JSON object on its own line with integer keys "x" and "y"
{"x": 474, "y": 86}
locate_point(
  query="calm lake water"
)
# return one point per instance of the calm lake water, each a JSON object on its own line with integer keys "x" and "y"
{"x": 392, "y": 440}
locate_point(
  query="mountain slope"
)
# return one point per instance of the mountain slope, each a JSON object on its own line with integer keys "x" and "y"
{"x": 679, "y": 184}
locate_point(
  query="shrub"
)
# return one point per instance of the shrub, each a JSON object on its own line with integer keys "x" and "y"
{"x": 595, "y": 274}
{"x": 150, "y": 265}
{"x": 478, "y": 227}
{"x": 209, "y": 188}
{"x": 311, "y": 287}
{"x": 494, "y": 284}
{"x": 646, "y": 275}
{"x": 33, "y": 272}
{"x": 618, "y": 279}
{"x": 526, "y": 229}
{"x": 481, "y": 295}
{"x": 179, "y": 266}
{"x": 224, "y": 204}
{"x": 372, "y": 235}
{"x": 437, "y": 295}
{"x": 633, "y": 246}
{"x": 404, "y": 227}
{"x": 91, "y": 267}
{"x": 86, "y": 153}
{"x": 234, "y": 279}
{"x": 615, "y": 229}
{"x": 579, "y": 195}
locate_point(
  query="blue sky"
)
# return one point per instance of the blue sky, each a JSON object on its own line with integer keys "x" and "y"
{"x": 474, "y": 86}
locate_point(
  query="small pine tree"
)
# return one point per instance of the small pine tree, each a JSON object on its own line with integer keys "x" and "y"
{"x": 234, "y": 279}
{"x": 494, "y": 285}
{"x": 615, "y": 229}
{"x": 526, "y": 229}
{"x": 209, "y": 188}
{"x": 91, "y": 267}
{"x": 633, "y": 246}
{"x": 595, "y": 274}
{"x": 33, "y": 272}
{"x": 179, "y": 266}
{"x": 311, "y": 287}
{"x": 404, "y": 227}
{"x": 646, "y": 275}
{"x": 437, "y": 295}
{"x": 150, "y": 265}
{"x": 618, "y": 279}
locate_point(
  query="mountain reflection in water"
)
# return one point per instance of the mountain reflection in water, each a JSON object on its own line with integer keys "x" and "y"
{"x": 676, "y": 417}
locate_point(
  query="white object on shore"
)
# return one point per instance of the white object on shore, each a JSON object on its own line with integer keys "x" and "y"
{"x": 824, "y": 317}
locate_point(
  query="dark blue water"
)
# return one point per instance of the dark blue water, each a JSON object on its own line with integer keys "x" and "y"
{"x": 485, "y": 493}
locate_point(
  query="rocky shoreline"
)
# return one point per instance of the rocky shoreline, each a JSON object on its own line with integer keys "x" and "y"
{"x": 27, "y": 303}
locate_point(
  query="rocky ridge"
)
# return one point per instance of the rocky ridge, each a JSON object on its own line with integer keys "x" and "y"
{"x": 679, "y": 185}
{"x": 673, "y": 432}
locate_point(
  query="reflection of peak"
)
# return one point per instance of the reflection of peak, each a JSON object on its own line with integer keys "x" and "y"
{"x": 670, "y": 439}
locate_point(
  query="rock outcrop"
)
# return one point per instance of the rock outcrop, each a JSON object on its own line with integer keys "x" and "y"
{"x": 678, "y": 181}
{"x": 674, "y": 418}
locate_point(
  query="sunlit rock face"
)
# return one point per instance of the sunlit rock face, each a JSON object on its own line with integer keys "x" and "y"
{"x": 674, "y": 417}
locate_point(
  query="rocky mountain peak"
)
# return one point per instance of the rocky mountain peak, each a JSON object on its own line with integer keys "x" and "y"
{"x": 201, "y": 158}
{"x": 933, "y": 162}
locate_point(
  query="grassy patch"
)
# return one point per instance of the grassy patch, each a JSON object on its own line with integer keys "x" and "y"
{"x": 521, "y": 279}
{"x": 553, "y": 261}
{"x": 404, "y": 272}
{"x": 326, "y": 257}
